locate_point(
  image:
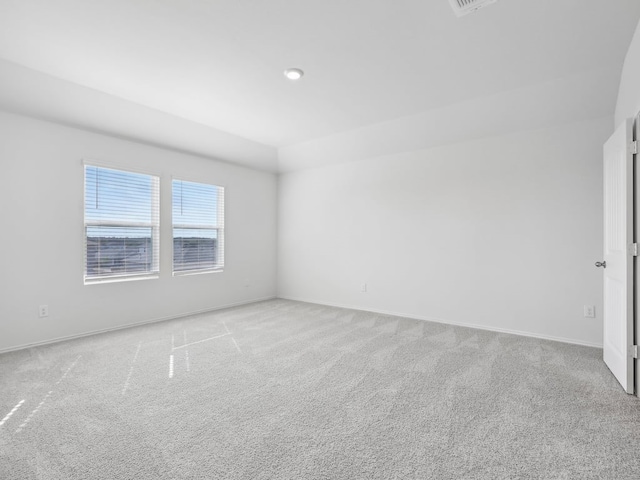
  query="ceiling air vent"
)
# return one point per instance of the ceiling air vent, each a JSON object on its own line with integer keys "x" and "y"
{"x": 465, "y": 7}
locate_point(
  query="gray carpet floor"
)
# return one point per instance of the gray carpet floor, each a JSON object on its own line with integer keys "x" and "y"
{"x": 289, "y": 390}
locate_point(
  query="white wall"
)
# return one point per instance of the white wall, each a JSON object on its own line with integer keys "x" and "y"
{"x": 555, "y": 102}
{"x": 628, "y": 104}
{"x": 35, "y": 94}
{"x": 499, "y": 233}
{"x": 41, "y": 213}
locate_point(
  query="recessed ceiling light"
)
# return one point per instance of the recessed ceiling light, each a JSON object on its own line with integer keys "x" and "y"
{"x": 293, "y": 73}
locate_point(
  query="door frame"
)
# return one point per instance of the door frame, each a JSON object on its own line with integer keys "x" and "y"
{"x": 636, "y": 273}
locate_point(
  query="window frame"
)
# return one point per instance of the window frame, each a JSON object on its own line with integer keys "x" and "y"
{"x": 219, "y": 229}
{"x": 154, "y": 225}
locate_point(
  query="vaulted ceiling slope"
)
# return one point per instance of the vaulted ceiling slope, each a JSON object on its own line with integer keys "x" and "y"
{"x": 210, "y": 71}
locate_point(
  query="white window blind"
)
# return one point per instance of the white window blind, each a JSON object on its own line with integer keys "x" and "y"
{"x": 121, "y": 224}
{"x": 198, "y": 227}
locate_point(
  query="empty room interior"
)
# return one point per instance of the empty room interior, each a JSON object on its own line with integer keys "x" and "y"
{"x": 285, "y": 239}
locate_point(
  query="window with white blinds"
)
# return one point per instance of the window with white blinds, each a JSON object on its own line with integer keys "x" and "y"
{"x": 121, "y": 224}
{"x": 198, "y": 227}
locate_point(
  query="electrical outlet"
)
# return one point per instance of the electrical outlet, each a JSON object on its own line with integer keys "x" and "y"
{"x": 363, "y": 288}
{"x": 590, "y": 311}
{"x": 43, "y": 311}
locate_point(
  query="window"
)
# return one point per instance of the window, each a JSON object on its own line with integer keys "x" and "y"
{"x": 198, "y": 227}
{"x": 121, "y": 218}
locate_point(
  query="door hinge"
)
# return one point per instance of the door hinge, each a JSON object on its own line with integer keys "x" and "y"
{"x": 633, "y": 147}
{"x": 633, "y": 249}
{"x": 633, "y": 351}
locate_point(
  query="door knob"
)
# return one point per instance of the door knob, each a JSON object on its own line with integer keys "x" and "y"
{"x": 601, "y": 264}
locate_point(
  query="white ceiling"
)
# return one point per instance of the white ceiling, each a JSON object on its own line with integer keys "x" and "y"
{"x": 217, "y": 64}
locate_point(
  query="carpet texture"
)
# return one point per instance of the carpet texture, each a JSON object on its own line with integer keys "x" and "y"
{"x": 289, "y": 390}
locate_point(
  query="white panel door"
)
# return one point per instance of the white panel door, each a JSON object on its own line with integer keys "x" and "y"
{"x": 618, "y": 271}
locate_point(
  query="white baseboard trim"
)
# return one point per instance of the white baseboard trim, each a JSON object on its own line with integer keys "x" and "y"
{"x": 448, "y": 322}
{"x": 131, "y": 325}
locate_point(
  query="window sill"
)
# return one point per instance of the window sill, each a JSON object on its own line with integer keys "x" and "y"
{"x": 186, "y": 273}
{"x": 128, "y": 278}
